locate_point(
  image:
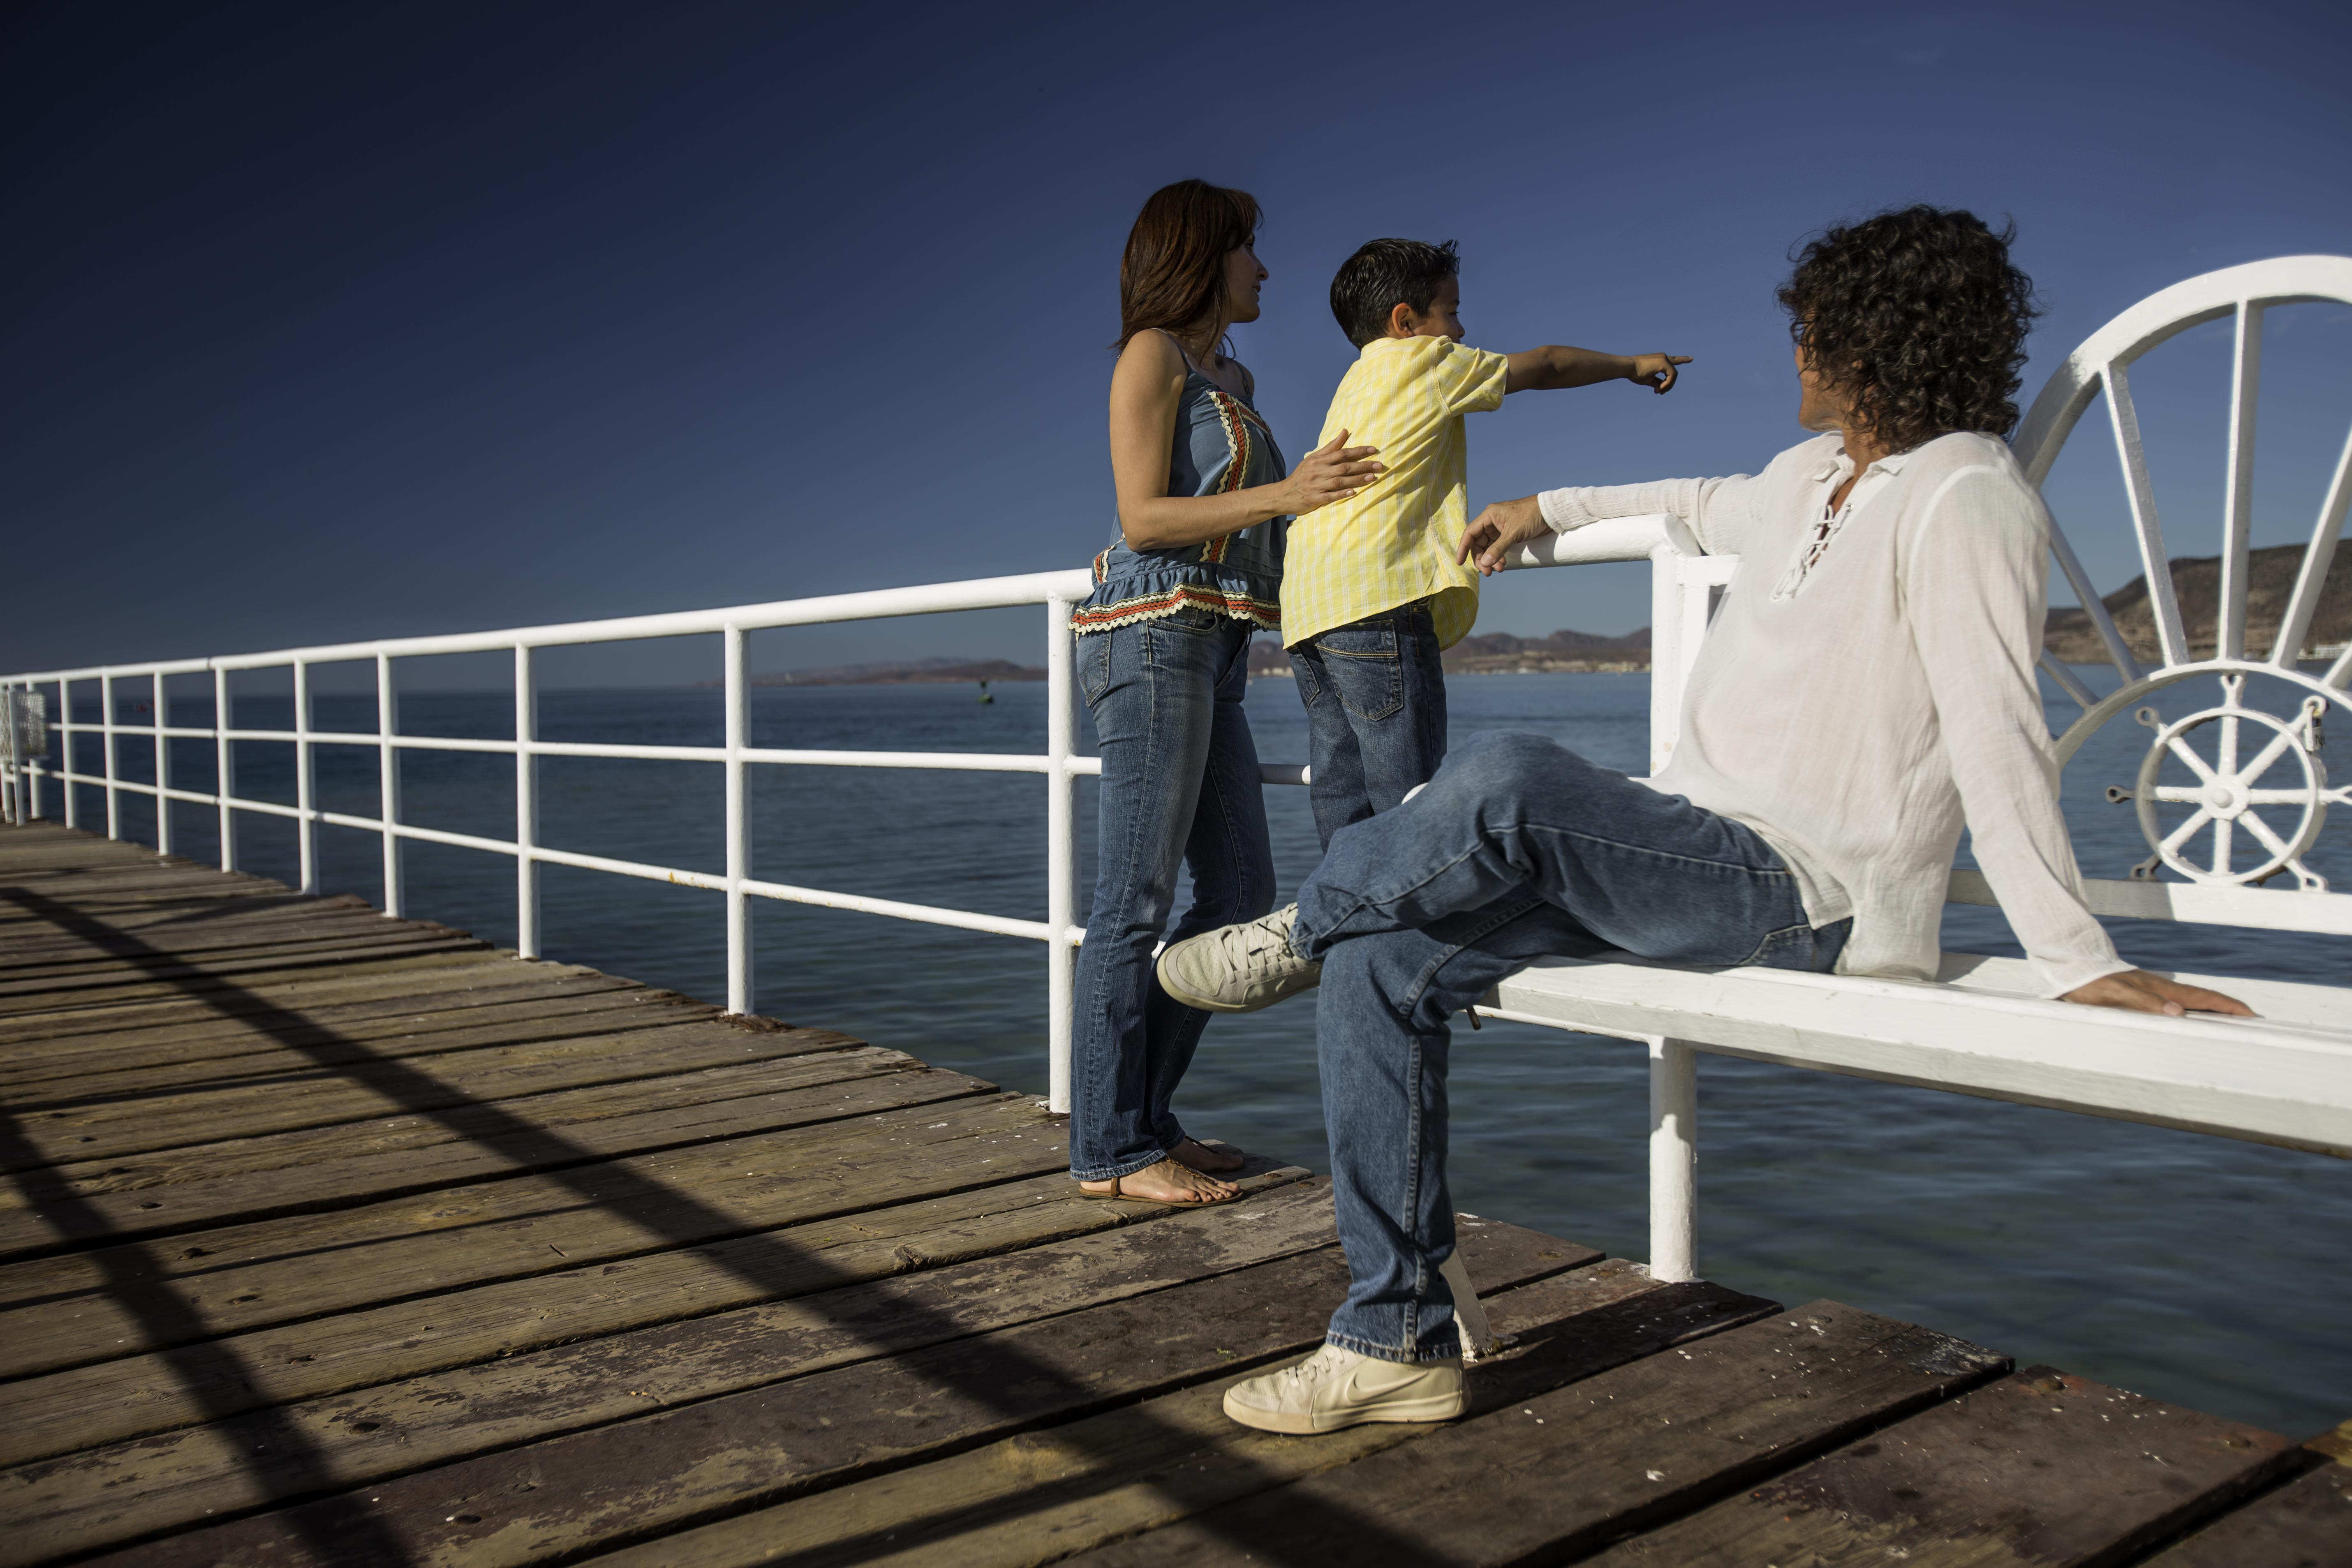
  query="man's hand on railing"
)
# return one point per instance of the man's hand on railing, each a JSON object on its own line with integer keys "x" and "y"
{"x": 2138, "y": 991}
{"x": 1502, "y": 527}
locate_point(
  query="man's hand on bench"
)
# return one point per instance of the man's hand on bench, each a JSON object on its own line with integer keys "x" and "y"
{"x": 2138, "y": 991}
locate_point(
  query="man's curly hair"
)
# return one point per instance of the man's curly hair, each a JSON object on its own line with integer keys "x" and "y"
{"x": 1918, "y": 317}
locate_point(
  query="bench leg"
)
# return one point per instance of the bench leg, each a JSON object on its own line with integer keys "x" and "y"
{"x": 1673, "y": 1159}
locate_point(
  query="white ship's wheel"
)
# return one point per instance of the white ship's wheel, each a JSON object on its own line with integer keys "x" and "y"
{"x": 2284, "y": 780}
{"x": 2235, "y": 794}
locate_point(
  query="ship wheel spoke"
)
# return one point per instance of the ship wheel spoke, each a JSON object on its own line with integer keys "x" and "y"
{"x": 2222, "y": 834}
{"x": 2262, "y": 830}
{"x": 2188, "y": 753}
{"x": 2182, "y": 833}
{"x": 2265, "y": 758}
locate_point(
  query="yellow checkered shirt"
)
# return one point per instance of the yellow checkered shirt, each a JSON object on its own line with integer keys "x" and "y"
{"x": 1393, "y": 542}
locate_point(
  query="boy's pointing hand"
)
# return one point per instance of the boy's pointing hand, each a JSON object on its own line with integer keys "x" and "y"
{"x": 1656, "y": 372}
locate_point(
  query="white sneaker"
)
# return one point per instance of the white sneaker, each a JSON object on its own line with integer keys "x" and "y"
{"x": 1239, "y": 968}
{"x": 1336, "y": 1387}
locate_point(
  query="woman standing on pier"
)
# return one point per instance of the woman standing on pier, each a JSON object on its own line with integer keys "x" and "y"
{"x": 1193, "y": 572}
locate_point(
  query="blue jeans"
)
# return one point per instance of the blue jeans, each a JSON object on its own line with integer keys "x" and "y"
{"x": 1375, "y": 696}
{"x": 1518, "y": 849}
{"x": 1180, "y": 786}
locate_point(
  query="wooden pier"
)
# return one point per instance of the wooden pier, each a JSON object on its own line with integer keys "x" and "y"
{"x": 329, "y": 1238}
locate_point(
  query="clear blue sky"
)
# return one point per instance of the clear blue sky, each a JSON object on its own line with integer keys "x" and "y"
{"x": 338, "y": 321}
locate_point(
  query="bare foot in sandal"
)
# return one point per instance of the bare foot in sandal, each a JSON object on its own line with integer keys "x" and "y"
{"x": 1165, "y": 1183}
{"x": 1201, "y": 1157}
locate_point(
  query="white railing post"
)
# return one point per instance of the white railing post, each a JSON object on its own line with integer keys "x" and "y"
{"x": 739, "y": 828}
{"x": 162, "y": 771}
{"x": 526, "y": 730}
{"x": 66, "y": 750}
{"x": 105, "y": 735}
{"x": 306, "y": 779}
{"x": 387, "y": 725}
{"x": 1061, "y": 854}
{"x": 40, "y": 766}
{"x": 1673, "y": 1159}
{"x": 10, "y": 789}
{"x": 224, "y": 770}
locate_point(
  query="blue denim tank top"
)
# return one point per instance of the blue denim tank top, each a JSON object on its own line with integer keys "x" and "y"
{"x": 1221, "y": 445}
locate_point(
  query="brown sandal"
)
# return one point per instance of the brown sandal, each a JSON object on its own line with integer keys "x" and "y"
{"x": 1115, "y": 1196}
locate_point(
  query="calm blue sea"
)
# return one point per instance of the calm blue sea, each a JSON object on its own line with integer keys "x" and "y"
{"x": 2196, "y": 1270}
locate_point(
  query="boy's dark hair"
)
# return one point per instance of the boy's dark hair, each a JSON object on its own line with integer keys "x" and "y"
{"x": 1383, "y": 275}
{"x": 1918, "y": 316}
{"x": 1172, "y": 274}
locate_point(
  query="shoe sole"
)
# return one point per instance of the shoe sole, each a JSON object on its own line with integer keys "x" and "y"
{"x": 1207, "y": 1005}
{"x": 1436, "y": 1407}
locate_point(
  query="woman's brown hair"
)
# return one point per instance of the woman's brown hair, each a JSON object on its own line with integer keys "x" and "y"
{"x": 1173, "y": 274}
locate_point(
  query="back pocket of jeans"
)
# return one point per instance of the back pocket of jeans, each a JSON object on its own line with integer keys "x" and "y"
{"x": 1366, "y": 671}
{"x": 1093, "y": 663}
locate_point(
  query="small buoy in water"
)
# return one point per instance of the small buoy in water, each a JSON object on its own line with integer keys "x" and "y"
{"x": 986, "y": 695}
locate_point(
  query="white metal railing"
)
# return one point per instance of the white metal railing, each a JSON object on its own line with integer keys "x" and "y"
{"x": 1684, "y": 586}
{"x": 21, "y": 795}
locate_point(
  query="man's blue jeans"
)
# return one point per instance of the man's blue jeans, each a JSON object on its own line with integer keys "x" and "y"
{"x": 1375, "y": 697}
{"x": 1179, "y": 787}
{"x": 1518, "y": 849}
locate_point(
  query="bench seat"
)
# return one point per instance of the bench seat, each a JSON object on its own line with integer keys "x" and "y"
{"x": 1980, "y": 1029}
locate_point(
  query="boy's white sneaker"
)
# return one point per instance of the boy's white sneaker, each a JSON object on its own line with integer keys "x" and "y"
{"x": 1337, "y": 1387}
{"x": 1239, "y": 968}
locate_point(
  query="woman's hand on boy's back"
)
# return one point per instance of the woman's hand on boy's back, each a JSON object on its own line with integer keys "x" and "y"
{"x": 1495, "y": 532}
{"x": 1333, "y": 471}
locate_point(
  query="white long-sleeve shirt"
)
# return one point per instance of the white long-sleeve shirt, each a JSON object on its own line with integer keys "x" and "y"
{"x": 1858, "y": 700}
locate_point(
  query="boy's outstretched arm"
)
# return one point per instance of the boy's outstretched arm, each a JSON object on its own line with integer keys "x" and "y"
{"x": 1555, "y": 365}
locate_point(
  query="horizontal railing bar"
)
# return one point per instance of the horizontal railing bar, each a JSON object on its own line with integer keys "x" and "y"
{"x": 1036, "y": 931}
{"x": 928, "y": 599}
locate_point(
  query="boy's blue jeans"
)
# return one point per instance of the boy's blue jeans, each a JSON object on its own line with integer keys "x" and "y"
{"x": 1375, "y": 697}
{"x": 1518, "y": 849}
{"x": 1180, "y": 788}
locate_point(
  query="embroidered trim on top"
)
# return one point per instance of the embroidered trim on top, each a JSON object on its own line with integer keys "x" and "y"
{"x": 1815, "y": 548}
{"x": 1241, "y": 606}
{"x": 1236, "y": 417}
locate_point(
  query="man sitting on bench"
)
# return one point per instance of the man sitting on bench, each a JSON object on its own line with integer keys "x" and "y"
{"x": 1867, "y": 688}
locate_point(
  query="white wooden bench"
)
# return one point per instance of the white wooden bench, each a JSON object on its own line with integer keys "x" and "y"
{"x": 2231, "y": 817}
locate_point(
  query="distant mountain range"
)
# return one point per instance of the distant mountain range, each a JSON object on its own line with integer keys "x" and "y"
{"x": 903, "y": 672}
{"x": 2070, "y": 635}
{"x": 2197, "y": 580}
{"x": 1500, "y": 653}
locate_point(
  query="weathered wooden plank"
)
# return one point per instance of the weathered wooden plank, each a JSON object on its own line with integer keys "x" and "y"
{"x": 108, "y": 1303}
{"x": 127, "y": 958}
{"x": 565, "y": 1495}
{"x": 1551, "y": 1478}
{"x": 197, "y": 1165}
{"x": 71, "y": 933}
{"x": 294, "y": 993}
{"x": 163, "y": 978}
{"x": 1039, "y": 1497}
{"x": 131, "y": 881}
{"x": 2040, "y": 1470}
{"x": 90, "y": 1406}
{"x": 30, "y": 997}
{"x": 482, "y": 1143}
{"x": 224, "y": 923}
{"x": 2306, "y": 1524}
{"x": 182, "y": 1057}
{"x": 174, "y": 1480}
{"x": 353, "y": 1091}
